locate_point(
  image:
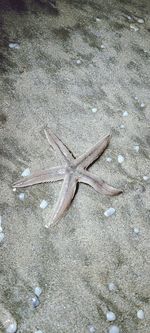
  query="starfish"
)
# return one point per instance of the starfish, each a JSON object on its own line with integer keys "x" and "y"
{"x": 74, "y": 171}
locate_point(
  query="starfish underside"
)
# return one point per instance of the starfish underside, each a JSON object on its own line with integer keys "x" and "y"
{"x": 74, "y": 171}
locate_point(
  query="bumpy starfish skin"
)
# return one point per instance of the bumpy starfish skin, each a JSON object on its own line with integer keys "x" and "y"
{"x": 72, "y": 173}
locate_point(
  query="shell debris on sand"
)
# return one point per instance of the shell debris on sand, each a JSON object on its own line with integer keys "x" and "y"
{"x": 122, "y": 126}
{"x": 38, "y": 291}
{"x": 120, "y": 159}
{"x": 21, "y": 196}
{"x": 94, "y": 110}
{"x": 78, "y": 62}
{"x": 26, "y": 173}
{"x": 140, "y": 314}
{"x": 112, "y": 286}
{"x": 43, "y": 204}
{"x": 35, "y": 302}
{"x": 7, "y": 320}
{"x": 136, "y": 230}
{"x": 91, "y": 328}
{"x": 125, "y": 114}
{"x": 136, "y": 148}
{"x": 110, "y": 316}
{"x": 113, "y": 329}
{"x": 15, "y": 46}
{"x": 134, "y": 27}
{"x": 109, "y": 159}
{"x": 146, "y": 178}
{"x": 109, "y": 212}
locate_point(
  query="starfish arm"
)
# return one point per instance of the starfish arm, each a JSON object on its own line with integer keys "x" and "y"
{"x": 98, "y": 185}
{"x": 90, "y": 156}
{"x": 43, "y": 176}
{"x": 57, "y": 144}
{"x": 64, "y": 200}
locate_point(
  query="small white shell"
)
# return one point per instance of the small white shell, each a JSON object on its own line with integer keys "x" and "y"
{"x": 14, "y": 46}
{"x": 113, "y": 329}
{"x": 125, "y": 114}
{"x": 94, "y": 110}
{"x": 136, "y": 230}
{"x": 140, "y": 20}
{"x": 142, "y": 105}
{"x": 37, "y": 291}
{"x": 140, "y": 314}
{"x": 133, "y": 27}
{"x": 145, "y": 178}
{"x": 110, "y": 316}
{"x": 136, "y": 148}
{"x": 43, "y": 204}
{"x": 91, "y": 328}
{"x": 110, "y": 211}
{"x": 120, "y": 159}
{"x": 109, "y": 159}
{"x": 21, "y": 196}
{"x": 122, "y": 126}
{"x": 26, "y": 173}
{"x": 112, "y": 286}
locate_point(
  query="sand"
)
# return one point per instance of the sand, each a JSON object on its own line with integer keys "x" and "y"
{"x": 43, "y": 83}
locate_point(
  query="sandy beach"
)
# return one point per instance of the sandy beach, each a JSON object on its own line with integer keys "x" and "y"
{"x": 83, "y": 70}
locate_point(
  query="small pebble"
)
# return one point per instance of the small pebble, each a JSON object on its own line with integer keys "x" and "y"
{"x": 113, "y": 329}
{"x": 37, "y": 291}
{"x": 43, "y": 204}
{"x": 145, "y": 178}
{"x": 38, "y": 331}
{"x": 125, "y": 114}
{"x": 26, "y": 173}
{"x": 122, "y": 126}
{"x": 129, "y": 17}
{"x": 14, "y": 189}
{"x": 133, "y": 27}
{"x": 94, "y": 110}
{"x": 112, "y": 286}
{"x": 78, "y": 62}
{"x": 136, "y": 148}
{"x": 109, "y": 159}
{"x": 136, "y": 230}
{"x": 140, "y": 314}
{"x": 140, "y": 20}
{"x": 110, "y": 316}
{"x": 110, "y": 211}
{"x": 120, "y": 159}
{"x": 91, "y": 328}
{"x": 102, "y": 46}
{"x": 97, "y": 19}
{"x": 142, "y": 105}
{"x": 21, "y": 196}
{"x": 14, "y": 46}
{"x": 35, "y": 302}
{"x": 1, "y": 236}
